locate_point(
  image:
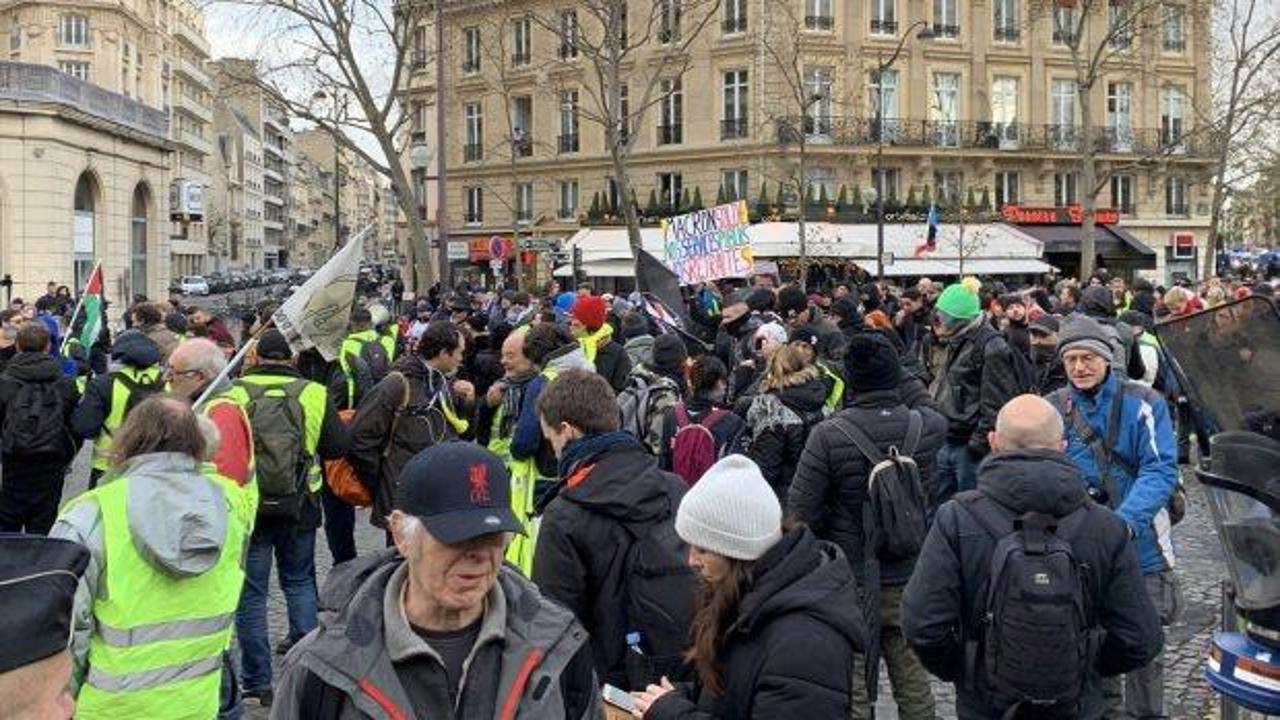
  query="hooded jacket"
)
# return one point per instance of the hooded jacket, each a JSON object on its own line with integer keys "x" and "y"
{"x": 639, "y": 350}
{"x": 779, "y": 421}
{"x": 789, "y": 652}
{"x": 531, "y": 657}
{"x": 978, "y": 378}
{"x": 942, "y": 597}
{"x": 830, "y": 484}
{"x": 582, "y": 541}
{"x": 39, "y": 368}
{"x": 131, "y": 348}
{"x": 178, "y": 519}
{"x": 527, "y": 439}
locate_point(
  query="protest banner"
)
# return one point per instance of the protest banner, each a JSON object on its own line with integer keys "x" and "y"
{"x": 708, "y": 244}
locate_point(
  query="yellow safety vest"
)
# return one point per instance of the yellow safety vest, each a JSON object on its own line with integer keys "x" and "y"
{"x": 157, "y": 644}
{"x": 243, "y": 498}
{"x": 835, "y": 398}
{"x": 524, "y": 483}
{"x": 591, "y": 342}
{"x": 389, "y": 338}
{"x": 351, "y": 345}
{"x": 115, "y": 418}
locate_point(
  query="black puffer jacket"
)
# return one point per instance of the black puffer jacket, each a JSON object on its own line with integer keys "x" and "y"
{"x": 779, "y": 422}
{"x": 830, "y": 484}
{"x": 978, "y": 378}
{"x": 789, "y": 654}
{"x": 582, "y": 542}
{"x": 613, "y": 364}
{"x": 39, "y": 368}
{"x": 938, "y": 606}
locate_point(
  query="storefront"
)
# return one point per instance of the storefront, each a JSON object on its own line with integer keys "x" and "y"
{"x": 485, "y": 260}
{"x": 1058, "y": 229}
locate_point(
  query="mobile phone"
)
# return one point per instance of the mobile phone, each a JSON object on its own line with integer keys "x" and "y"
{"x": 619, "y": 698}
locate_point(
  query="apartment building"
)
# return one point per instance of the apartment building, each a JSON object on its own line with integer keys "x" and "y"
{"x": 311, "y": 201}
{"x": 984, "y": 103}
{"x": 187, "y": 89}
{"x": 359, "y": 200}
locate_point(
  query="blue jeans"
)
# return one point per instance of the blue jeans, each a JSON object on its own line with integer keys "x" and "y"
{"x": 956, "y": 472}
{"x": 295, "y": 549}
{"x": 339, "y": 526}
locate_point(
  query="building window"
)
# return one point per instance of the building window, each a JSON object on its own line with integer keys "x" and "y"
{"x": 1175, "y": 196}
{"x": 1122, "y": 193}
{"x": 670, "y": 185}
{"x": 1062, "y": 114}
{"x": 1120, "y": 115}
{"x": 474, "y": 149}
{"x": 1064, "y": 189}
{"x": 882, "y": 97}
{"x": 475, "y": 205}
{"x": 1004, "y": 112}
{"x": 522, "y": 126}
{"x": 1120, "y": 24}
{"x": 734, "y": 184}
{"x": 624, "y": 114}
{"x": 569, "y": 121}
{"x": 817, "y": 85}
{"x": 73, "y": 31}
{"x": 138, "y": 242}
{"x": 15, "y": 34}
{"x": 884, "y": 17}
{"x": 624, "y": 25}
{"x": 1064, "y": 24}
{"x": 669, "y": 21}
{"x": 817, "y": 15}
{"x": 1006, "y": 189}
{"x": 568, "y": 209}
{"x": 885, "y": 183}
{"x": 419, "y": 59}
{"x": 735, "y": 17}
{"x": 521, "y": 41}
{"x": 949, "y": 184}
{"x": 1175, "y": 39}
{"x": 734, "y": 124}
{"x": 946, "y": 20}
{"x": 75, "y": 69}
{"x": 471, "y": 50}
{"x": 670, "y": 129}
{"x": 944, "y": 110}
{"x": 568, "y": 34}
{"x": 1172, "y": 101}
{"x": 86, "y": 196}
{"x": 1005, "y": 20}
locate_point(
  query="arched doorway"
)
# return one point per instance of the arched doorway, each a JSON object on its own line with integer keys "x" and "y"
{"x": 138, "y": 240}
{"x": 86, "y": 199}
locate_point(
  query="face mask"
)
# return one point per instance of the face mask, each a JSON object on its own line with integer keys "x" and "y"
{"x": 1043, "y": 354}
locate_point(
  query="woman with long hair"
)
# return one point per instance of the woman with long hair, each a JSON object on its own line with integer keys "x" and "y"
{"x": 776, "y": 621}
{"x": 792, "y": 400}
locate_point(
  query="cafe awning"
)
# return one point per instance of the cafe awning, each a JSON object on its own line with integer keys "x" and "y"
{"x": 1112, "y": 242}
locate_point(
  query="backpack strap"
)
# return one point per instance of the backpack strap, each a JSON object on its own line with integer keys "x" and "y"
{"x": 395, "y": 417}
{"x": 984, "y": 510}
{"x": 713, "y": 417}
{"x": 859, "y": 439}
{"x": 1113, "y": 425}
{"x": 915, "y": 431}
{"x": 682, "y": 415}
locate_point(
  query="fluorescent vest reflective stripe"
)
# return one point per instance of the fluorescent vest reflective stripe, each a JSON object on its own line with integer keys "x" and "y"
{"x": 156, "y": 650}
{"x": 388, "y": 339}
{"x": 351, "y": 345}
{"x": 82, "y": 381}
{"x": 243, "y": 498}
{"x": 313, "y": 400}
{"x": 115, "y": 418}
{"x": 524, "y": 479}
{"x": 835, "y": 398}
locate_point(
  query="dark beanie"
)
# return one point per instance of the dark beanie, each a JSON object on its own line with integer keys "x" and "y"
{"x": 792, "y": 301}
{"x": 669, "y": 352}
{"x": 273, "y": 346}
{"x": 634, "y": 325}
{"x": 760, "y": 300}
{"x": 847, "y": 308}
{"x": 871, "y": 363}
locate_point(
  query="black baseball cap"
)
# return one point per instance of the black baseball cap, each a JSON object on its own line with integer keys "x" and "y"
{"x": 459, "y": 491}
{"x": 38, "y": 580}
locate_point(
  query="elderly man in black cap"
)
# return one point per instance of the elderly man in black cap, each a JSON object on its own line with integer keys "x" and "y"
{"x": 38, "y": 579}
{"x": 439, "y": 627}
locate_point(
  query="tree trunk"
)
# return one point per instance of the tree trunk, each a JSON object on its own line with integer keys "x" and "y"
{"x": 801, "y": 228}
{"x": 408, "y": 205}
{"x": 1088, "y": 182}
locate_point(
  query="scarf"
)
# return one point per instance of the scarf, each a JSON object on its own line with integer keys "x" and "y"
{"x": 588, "y": 447}
{"x": 512, "y": 401}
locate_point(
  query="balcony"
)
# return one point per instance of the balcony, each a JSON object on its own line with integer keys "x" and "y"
{"x": 733, "y": 25}
{"x": 1006, "y": 34}
{"x": 472, "y": 217}
{"x": 522, "y": 146}
{"x": 567, "y": 51}
{"x": 418, "y": 60}
{"x": 884, "y": 27}
{"x": 941, "y": 30}
{"x": 194, "y": 72}
{"x": 1180, "y": 209}
{"x": 471, "y": 66}
{"x": 1174, "y": 46}
{"x": 1065, "y": 38}
{"x": 568, "y": 143}
{"x": 192, "y": 107}
{"x": 733, "y": 129}
{"x": 191, "y": 35}
{"x": 520, "y": 59}
{"x": 670, "y": 134}
{"x": 819, "y": 22}
{"x": 194, "y": 141}
{"x": 472, "y": 152}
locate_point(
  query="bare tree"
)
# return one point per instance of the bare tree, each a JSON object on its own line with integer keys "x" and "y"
{"x": 338, "y": 65}
{"x": 626, "y": 51}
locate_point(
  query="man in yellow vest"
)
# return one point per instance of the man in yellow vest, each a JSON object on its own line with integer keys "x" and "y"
{"x": 108, "y": 398}
{"x": 357, "y": 374}
{"x": 387, "y": 328}
{"x": 154, "y": 610}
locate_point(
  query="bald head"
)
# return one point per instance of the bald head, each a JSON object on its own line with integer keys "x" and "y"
{"x": 1027, "y": 422}
{"x": 514, "y": 361}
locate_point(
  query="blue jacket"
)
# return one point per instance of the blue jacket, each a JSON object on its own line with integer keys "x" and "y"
{"x": 1146, "y": 439}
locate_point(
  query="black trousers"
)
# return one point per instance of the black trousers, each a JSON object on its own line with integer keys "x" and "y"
{"x": 339, "y": 526}
{"x": 30, "y": 491}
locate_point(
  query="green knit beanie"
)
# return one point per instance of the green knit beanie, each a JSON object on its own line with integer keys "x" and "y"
{"x": 958, "y": 302}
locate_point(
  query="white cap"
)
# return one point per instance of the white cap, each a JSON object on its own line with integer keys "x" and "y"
{"x": 731, "y": 511}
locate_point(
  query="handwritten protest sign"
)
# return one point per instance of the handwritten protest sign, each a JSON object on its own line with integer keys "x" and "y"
{"x": 708, "y": 244}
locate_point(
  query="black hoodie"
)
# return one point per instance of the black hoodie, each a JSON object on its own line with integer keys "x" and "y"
{"x": 38, "y": 367}
{"x": 583, "y": 541}
{"x": 938, "y": 606}
{"x": 779, "y": 422}
{"x": 131, "y": 348}
{"x": 789, "y": 651}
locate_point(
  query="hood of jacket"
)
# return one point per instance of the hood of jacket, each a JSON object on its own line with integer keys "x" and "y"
{"x": 802, "y": 574}
{"x": 178, "y": 519}
{"x": 807, "y": 397}
{"x": 1044, "y": 481}
{"x": 627, "y": 485}
{"x": 569, "y": 357}
{"x": 639, "y": 349}
{"x": 135, "y": 349}
{"x": 33, "y": 367}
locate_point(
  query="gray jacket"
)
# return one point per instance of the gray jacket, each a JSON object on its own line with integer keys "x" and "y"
{"x": 640, "y": 350}
{"x": 531, "y": 658}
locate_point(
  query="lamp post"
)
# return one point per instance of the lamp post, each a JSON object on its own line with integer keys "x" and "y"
{"x": 881, "y": 67}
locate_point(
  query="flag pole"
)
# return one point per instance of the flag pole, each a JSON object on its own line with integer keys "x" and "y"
{"x": 97, "y": 267}
{"x": 232, "y": 363}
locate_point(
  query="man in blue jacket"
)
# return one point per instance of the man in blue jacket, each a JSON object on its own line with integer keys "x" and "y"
{"x": 1119, "y": 433}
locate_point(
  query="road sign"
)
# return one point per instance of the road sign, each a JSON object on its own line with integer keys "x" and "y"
{"x": 497, "y": 266}
{"x": 498, "y": 247}
{"x": 537, "y": 245}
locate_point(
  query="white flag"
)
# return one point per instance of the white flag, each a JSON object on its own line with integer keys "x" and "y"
{"x": 317, "y": 314}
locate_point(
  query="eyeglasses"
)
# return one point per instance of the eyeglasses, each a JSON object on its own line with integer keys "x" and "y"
{"x": 173, "y": 373}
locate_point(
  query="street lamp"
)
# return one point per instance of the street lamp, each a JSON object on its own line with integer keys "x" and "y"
{"x": 881, "y": 67}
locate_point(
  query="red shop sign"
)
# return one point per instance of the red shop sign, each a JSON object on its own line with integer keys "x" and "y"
{"x": 1069, "y": 215}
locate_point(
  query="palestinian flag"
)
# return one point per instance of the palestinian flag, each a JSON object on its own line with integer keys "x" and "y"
{"x": 91, "y": 303}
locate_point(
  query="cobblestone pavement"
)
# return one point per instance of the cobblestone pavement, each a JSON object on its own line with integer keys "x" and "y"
{"x": 1200, "y": 570}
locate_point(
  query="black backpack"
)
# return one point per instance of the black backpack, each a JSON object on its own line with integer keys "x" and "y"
{"x": 34, "y": 421}
{"x": 894, "y": 514}
{"x": 1034, "y": 635}
{"x": 280, "y": 459}
{"x": 1023, "y": 371}
{"x": 658, "y": 585}
{"x": 375, "y": 359}
{"x": 139, "y": 391}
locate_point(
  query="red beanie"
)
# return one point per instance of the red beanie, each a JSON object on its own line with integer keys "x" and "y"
{"x": 590, "y": 311}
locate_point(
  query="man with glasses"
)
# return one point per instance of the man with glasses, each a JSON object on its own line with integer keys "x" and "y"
{"x": 1119, "y": 433}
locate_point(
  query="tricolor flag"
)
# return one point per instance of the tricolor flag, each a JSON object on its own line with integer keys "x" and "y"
{"x": 91, "y": 305}
{"x": 931, "y": 235}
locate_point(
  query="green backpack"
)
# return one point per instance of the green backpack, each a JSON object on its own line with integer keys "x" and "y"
{"x": 280, "y": 456}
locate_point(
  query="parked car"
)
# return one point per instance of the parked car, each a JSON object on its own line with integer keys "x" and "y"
{"x": 195, "y": 285}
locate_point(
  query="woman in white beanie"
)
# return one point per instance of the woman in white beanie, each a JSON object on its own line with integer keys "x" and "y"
{"x": 776, "y": 621}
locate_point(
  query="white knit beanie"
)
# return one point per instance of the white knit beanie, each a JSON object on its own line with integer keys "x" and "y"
{"x": 731, "y": 511}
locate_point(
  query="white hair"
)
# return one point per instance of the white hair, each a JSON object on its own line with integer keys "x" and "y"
{"x": 204, "y": 356}
{"x": 212, "y": 437}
